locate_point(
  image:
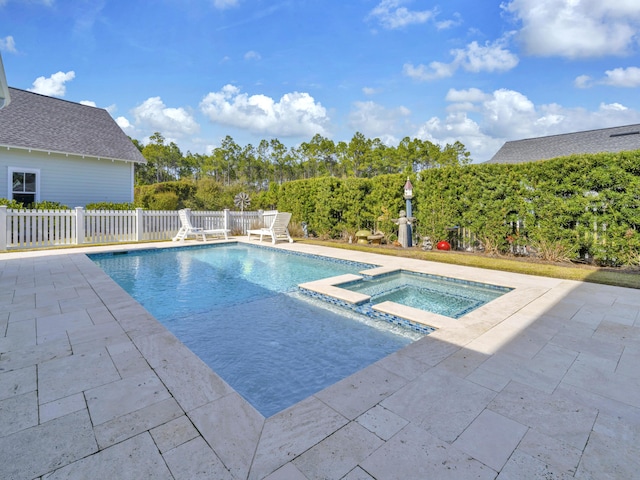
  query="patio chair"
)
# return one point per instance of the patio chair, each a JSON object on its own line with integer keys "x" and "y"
{"x": 279, "y": 228}
{"x": 187, "y": 229}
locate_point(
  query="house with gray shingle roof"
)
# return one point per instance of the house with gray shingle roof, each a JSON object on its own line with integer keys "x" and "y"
{"x": 4, "y": 87}
{"x": 616, "y": 139}
{"x": 61, "y": 151}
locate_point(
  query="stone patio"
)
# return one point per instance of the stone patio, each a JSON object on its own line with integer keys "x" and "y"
{"x": 543, "y": 383}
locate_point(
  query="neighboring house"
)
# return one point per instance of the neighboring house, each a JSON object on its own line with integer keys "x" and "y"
{"x": 616, "y": 139}
{"x": 5, "y": 98}
{"x": 61, "y": 151}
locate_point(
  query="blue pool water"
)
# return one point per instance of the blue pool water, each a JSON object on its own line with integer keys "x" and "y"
{"x": 445, "y": 296}
{"x": 237, "y": 308}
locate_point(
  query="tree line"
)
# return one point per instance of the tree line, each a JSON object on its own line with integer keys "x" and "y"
{"x": 256, "y": 167}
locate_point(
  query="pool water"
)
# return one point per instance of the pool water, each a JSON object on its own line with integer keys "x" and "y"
{"x": 445, "y": 296}
{"x": 238, "y": 309}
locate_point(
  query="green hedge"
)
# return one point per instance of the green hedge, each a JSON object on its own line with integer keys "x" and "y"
{"x": 110, "y": 206}
{"x": 570, "y": 208}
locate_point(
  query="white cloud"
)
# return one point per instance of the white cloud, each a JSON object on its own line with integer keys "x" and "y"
{"x": 295, "y": 114}
{"x": 459, "y": 127}
{"x": 491, "y": 57}
{"x": 475, "y": 58}
{"x": 124, "y": 124}
{"x": 447, "y": 24}
{"x": 171, "y": 122}
{"x": 391, "y": 15}
{"x": 483, "y": 121}
{"x": 434, "y": 71}
{"x": 54, "y": 86}
{"x": 471, "y": 95}
{"x": 224, "y": 4}
{"x": 370, "y": 90}
{"x": 8, "y": 44}
{"x": 88, "y": 103}
{"x": 618, "y": 77}
{"x": 577, "y": 29}
{"x": 623, "y": 77}
{"x": 252, "y": 55}
{"x": 583, "y": 81}
{"x": 374, "y": 120}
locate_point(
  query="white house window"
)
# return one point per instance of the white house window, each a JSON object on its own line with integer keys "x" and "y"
{"x": 24, "y": 185}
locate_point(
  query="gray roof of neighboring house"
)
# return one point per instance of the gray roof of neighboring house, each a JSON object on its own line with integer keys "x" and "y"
{"x": 616, "y": 139}
{"x": 38, "y": 122}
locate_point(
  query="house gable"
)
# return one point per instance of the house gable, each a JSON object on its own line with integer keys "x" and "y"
{"x": 37, "y": 122}
{"x": 616, "y": 139}
{"x": 5, "y": 98}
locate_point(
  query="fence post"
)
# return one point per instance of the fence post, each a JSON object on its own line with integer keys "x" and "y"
{"x": 261, "y": 218}
{"x": 3, "y": 227}
{"x": 225, "y": 219}
{"x": 79, "y": 225}
{"x": 139, "y": 225}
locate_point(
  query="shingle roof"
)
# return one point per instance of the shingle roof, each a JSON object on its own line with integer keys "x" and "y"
{"x": 616, "y": 139}
{"x": 49, "y": 124}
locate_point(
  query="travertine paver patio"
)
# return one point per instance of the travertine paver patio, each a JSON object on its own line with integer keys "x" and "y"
{"x": 542, "y": 383}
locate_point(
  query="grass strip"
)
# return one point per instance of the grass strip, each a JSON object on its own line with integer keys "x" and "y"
{"x": 581, "y": 273}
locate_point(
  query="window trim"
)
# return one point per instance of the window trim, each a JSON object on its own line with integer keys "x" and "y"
{"x": 13, "y": 170}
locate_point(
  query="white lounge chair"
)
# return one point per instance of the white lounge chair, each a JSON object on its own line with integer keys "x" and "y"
{"x": 279, "y": 228}
{"x": 187, "y": 229}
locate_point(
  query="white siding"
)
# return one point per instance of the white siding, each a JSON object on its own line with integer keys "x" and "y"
{"x": 73, "y": 181}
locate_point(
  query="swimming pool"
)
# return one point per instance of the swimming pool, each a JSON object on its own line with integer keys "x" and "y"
{"x": 237, "y": 307}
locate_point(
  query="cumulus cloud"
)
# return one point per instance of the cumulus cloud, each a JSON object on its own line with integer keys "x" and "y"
{"x": 374, "y": 120}
{"x": 124, "y": 124}
{"x": 577, "y": 29}
{"x": 172, "y": 122}
{"x": 54, "y": 86}
{"x": 459, "y": 127}
{"x": 623, "y": 77}
{"x": 483, "y": 121}
{"x": 8, "y": 44}
{"x": 295, "y": 114}
{"x": 475, "y": 58}
{"x": 88, "y": 103}
{"x": 491, "y": 57}
{"x": 618, "y": 77}
{"x": 472, "y": 95}
{"x": 392, "y": 15}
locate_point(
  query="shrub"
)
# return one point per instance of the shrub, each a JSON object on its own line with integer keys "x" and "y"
{"x": 110, "y": 206}
{"x": 46, "y": 205}
{"x": 11, "y": 204}
{"x": 164, "y": 201}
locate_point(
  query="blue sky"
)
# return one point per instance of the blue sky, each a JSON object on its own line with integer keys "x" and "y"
{"x": 479, "y": 72}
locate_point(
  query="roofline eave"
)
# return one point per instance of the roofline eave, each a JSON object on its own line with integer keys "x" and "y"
{"x": 69, "y": 154}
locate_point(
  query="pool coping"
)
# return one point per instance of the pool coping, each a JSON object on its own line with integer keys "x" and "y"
{"x": 199, "y": 420}
{"x": 332, "y": 290}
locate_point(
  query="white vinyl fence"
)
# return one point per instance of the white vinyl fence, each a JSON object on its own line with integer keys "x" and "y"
{"x": 20, "y": 229}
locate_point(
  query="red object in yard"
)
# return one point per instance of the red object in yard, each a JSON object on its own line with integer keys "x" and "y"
{"x": 443, "y": 245}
